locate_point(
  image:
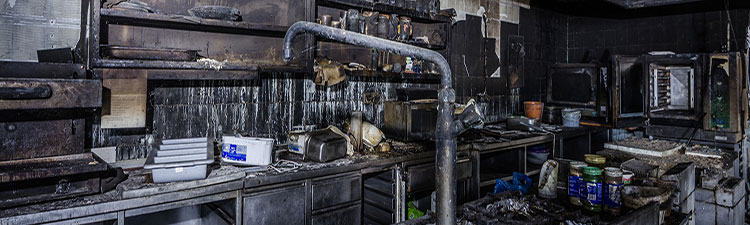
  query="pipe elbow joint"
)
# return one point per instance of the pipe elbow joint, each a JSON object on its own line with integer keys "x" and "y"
{"x": 288, "y": 54}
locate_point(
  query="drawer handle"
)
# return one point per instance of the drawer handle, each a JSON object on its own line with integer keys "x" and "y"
{"x": 25, "y": 93}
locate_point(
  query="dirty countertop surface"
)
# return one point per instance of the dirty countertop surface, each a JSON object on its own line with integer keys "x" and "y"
{"x": 139, "y": 183}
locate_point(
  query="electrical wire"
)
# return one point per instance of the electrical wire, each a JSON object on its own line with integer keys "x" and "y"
{"x": 731, "y": 27}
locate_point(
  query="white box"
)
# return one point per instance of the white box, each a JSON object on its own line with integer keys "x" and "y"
{"x": 247, "y": 150}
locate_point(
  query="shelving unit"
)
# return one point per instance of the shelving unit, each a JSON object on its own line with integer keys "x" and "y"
{"x": 186, "y": 22}
{"x": 362, "y": 5}
{"x": 260, "y": 51}
{"x": 435, "y": 26}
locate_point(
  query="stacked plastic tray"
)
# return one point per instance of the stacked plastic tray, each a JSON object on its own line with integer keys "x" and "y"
{"x": 180, "y": 160}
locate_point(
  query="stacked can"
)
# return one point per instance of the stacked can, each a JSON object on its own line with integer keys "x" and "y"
{"x": 592, "y": 179}
{"x": 613, "y": 184}
{"x": 575, "y": 182}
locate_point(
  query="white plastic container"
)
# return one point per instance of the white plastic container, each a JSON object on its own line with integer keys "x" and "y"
{"x": 571, "y": 117}
{"x": 248, "y": 151}
{"x": 179, "y": 167}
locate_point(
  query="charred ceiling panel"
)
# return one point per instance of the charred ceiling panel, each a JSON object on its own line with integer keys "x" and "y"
{"x": 636, "y": 4}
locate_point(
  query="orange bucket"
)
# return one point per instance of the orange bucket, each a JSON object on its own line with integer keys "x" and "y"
{"x": 533, "y": 109}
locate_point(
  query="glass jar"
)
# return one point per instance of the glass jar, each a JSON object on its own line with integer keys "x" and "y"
{"x": 595, "y": 160}
{"x": 612, "y": 199}
{"x": 627, "y": 177}
{"x": 592, "y": 179}
{"x": 575, "y": 181}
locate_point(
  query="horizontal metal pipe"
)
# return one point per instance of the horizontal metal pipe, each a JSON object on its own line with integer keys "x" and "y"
{"x": 445, "y": 160}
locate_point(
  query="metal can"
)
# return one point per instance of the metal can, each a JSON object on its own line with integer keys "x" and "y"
{"x": 595, "y": 160}
{"x": 404, "y": 28}
{"x": 575, "y": 181}
{"x": 592, "y": 179}
{"x": 612, "y": 199}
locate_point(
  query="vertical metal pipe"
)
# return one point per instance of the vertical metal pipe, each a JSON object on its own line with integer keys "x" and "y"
{"x": 445, "y": 159}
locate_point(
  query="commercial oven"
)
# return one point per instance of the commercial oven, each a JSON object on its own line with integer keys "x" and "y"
{"x": 696, "y": 96}
{"x": 43, "y": 111}
{"x": 582, "y": 86}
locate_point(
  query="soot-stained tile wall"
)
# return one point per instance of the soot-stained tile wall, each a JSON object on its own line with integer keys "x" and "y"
{"x": 268, "y": 107}
{"x": 545, "y": 39}
{"x": 690, "y": 32}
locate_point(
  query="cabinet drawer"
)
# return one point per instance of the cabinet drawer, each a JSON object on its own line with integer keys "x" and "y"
{"x": 376, "y": 183}
{"x": 280, "y": 206}
{"x": 349, "y": 215}
{"x": 334, "y": 191}
{"x": 423, "y": 176}
{"x": 34, "y": 94}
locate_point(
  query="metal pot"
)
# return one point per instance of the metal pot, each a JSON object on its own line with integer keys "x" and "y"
{"x": 384, "y": 22}
{"x": 404, "y": 28}
{"x": 352, "y": 20}
{"x": 342, "y": 19}
{"x": 393, "y": 27}
{"x": 325, "y": 20}
{"x": 370, "y": 23}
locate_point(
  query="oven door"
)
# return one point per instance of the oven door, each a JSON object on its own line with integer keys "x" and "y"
{"x": 627, "y": 92}
{"x": 674, "y": 89}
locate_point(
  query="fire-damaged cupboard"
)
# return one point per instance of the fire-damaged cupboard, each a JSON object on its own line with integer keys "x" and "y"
{"x": 43, "y": 114}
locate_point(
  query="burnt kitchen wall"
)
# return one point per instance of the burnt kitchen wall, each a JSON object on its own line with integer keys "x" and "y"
{"x": 545, "y": 43}
{"x": 267, "y": 107}
{"x": 692, "y": 28}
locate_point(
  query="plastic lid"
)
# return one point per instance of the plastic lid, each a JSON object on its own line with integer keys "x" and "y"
{"x": 613, "y": 172}
{"x": 595, "y": 159}
{"x": 578, "y": 164}
{"x": 590, "y": 170}
{"x": 627, "y": 174}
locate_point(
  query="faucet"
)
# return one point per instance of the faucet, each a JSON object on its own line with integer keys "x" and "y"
{"x": 445, "y": 161}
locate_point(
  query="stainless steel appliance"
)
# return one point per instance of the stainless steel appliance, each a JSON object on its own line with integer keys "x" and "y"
{"x": 410, "y": 120}
{"x": 580, "y": 86}
{"x": 697, "y": 96}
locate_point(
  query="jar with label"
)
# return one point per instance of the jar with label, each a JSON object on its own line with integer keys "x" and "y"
{"x": 627, "y": 177}
{"x": 612, "y": 199}
{"x": 575, "y": 180}
{"x": 595, "y": 160}
{"x": 592, "y": 179}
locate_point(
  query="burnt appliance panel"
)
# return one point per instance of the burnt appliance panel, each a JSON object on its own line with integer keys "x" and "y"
{"x": 674, "y": 84}
{"x": 726, "y": 100}
{"x": 43, "y": 107}
{"x": 627, "y": 92}
{"x": 573, "y": 84}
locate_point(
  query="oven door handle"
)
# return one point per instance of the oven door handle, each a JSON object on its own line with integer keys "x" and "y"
{"x": 26, "y": 93}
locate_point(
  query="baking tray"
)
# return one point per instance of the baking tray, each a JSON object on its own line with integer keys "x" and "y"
{"x": 185, "y": 146}
{"x": 168, "y": 54}
{"x": 180, "y": 170}
{"x": 184, "y": 141}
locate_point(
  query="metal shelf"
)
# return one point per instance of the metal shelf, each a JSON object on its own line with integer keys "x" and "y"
{"x": 183, "y": 22}
{"x": 431, "y": 78}
{"x": 186, "y": 70}
{"x": 361, "y": 4}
